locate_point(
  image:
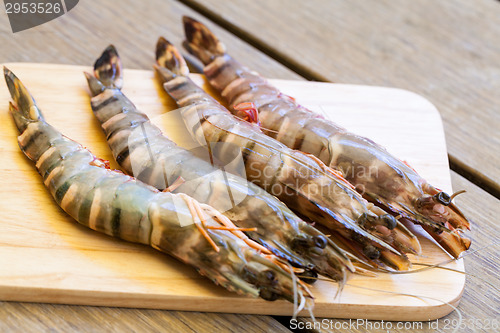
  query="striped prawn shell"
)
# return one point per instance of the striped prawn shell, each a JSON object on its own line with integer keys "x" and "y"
{"x": 117, "y": 205}
{"x": 295, "y": 178}
{"x": 144, "y": 152}
{"x": 268, "y": 163}
{"x": 384, "y": 178}
{"x": 246, "y": 204}
{"x": 103, "y": 200}
{"x": 120, "y": 206}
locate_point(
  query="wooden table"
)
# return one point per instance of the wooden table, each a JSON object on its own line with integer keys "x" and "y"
{"x": 446, "y": 51}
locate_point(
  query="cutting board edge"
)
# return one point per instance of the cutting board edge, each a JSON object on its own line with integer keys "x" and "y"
{"x": 339, "y": 314}
{"x": 180, "y": 303}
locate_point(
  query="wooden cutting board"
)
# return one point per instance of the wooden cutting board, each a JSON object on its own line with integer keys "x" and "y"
{"x": 45, "y": 256}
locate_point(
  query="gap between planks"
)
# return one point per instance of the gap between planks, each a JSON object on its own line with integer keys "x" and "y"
{"x": 485, "y": 183}
{"x": 250, "y": 39}
{"x": 456, "y": 164}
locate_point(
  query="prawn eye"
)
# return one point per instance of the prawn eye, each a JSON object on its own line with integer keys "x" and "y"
{"x": 267, "y": 278}
{"x": 443, "y": 198}
{"x": 320, "y": 241}
{"x": 389, "y": 221}
{"x": 308, "y": 276}
{"x": 371, "y": 252}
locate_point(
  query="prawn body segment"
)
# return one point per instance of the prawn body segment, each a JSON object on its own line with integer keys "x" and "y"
{"x": 143, "y": 151}
{"x": 380, "y": 177}
{"x": 300, "y": 180}
{"x": 121, "y": 206}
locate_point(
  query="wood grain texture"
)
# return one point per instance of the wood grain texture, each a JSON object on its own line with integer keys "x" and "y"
{"x": 34, "y": 317}
{"x": 77, "y": 37}
{"x": 480, "y": 303}
{"x": 67, "y": 263}
{"x": 446, "y": 51}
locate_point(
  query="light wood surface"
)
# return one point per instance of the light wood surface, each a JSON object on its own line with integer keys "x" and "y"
{"x": 77, "y": 37}
{"x": 35, "y": 317}
{"x": 446, "y": 51}
{"x": 66, "y": 263}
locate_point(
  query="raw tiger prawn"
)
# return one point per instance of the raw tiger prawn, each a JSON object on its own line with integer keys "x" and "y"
{"x": 143, "y": 151}
{"x": 121, "y": 206}
{"x": 395, "y": 186}
{"x": 301, "y": 181}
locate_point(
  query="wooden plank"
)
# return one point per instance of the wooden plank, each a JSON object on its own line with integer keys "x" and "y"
{"x": 33, "y": 317}
{"x": 480, "y": 303}
{"x": 66, "y": 263}
{"x": 80, "y": 35}
{"x": 447, "y": 51}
